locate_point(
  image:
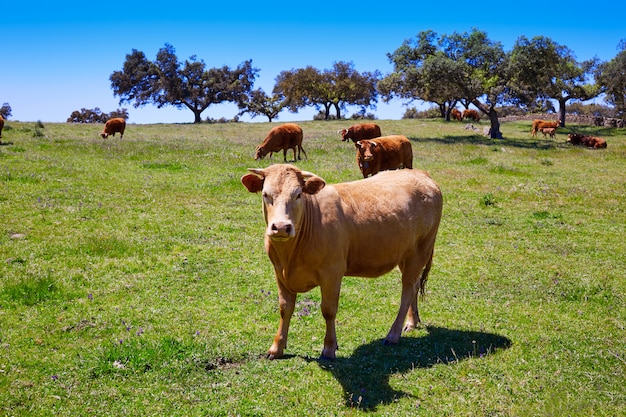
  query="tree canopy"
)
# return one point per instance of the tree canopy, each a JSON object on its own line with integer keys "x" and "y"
{"x": 5, "y": 110}
{"x": 611, "y": 76}
{"x": 260, "y": 104}
{"x": 334, "y": 88}
{"x": 166, "y": 81}
{"x": 95, "y": 115}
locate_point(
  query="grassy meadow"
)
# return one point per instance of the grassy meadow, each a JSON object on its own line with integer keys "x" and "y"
{"x": 133, "y": 279}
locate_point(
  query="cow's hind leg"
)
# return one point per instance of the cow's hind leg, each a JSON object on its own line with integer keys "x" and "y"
{"x": 414, "y": 274}
{"x": 300, "y": 148}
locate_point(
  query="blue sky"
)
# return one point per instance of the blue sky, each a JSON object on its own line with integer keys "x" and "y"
{"x": 57, "y": 57}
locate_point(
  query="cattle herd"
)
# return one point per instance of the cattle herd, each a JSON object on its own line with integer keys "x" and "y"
{"x": 318, "y": 233}
{"x": 374, "y": 152}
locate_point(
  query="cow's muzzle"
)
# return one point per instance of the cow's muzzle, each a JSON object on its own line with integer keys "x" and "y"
{"x": 281, "y": 231}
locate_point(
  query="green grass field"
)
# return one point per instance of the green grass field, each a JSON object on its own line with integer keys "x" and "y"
{"x": 133, "y": 279}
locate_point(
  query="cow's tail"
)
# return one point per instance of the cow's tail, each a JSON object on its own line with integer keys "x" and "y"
{"x": 424, "y": 277}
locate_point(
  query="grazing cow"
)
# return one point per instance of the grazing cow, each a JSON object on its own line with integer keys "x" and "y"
{"x": 586, "y": 141}
{"x": 384, "y": 153}
{"x": 471, "y": 114}
{"x": 112, "y": 126}
{"x": 360, "y": 131}
{"x": 1, "y": 124}
{"x": 316, "y": 234}
{"x": 282, "y": 138}
{"x": 548, "y": 131}
{"x": 456, "y": 115}
{"x": 543, "y": 124}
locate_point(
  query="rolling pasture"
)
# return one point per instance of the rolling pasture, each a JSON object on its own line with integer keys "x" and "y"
{"x": 133, "y": 279}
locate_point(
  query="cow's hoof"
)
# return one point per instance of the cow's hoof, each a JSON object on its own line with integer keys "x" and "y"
{"x": 325, "y": 358}
{"x": 272, "y": 356}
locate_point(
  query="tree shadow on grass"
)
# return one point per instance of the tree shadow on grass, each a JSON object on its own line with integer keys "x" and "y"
{"x": 530, "y": 143}
{"x": 365, "y": 375}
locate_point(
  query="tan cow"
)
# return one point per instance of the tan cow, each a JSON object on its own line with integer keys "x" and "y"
{"x": 360, "y": 131}
{"x": 112, "y": 126}
{"x": 542, "y": 124}
{"x": 281, "y": 138}
{"x": 384, "y": 153}
{"x": 316, "y": 234}
{"x": 548, "y": 131}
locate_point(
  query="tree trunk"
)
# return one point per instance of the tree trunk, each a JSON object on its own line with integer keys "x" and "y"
{"x": 494, "y": 131}
{"x": 326, "y": 111}
{"x": 197, "y": 118}
{"x": 338, "y": 111}
{"x": 562, "y": 111}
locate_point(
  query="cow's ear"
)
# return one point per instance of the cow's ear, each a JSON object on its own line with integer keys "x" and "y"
{"x": 313, "y": 185}
{"x": 358, "y": 144}
{"x": 253, "y": 182}
{"x": 373, "y": 144}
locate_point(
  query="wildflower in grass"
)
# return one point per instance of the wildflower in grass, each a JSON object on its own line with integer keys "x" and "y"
{"x": 90, "y": 296}
{"x": 140, "y": 331}
{"x": 55, "y": 377}
{"x": 304, "y": 312}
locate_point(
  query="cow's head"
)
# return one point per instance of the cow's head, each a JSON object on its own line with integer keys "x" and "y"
{"x": 344, "y": 134}
{"x": 104, "y": 135}
{"x": 259, "y": 152}
{"x": 364, "y": 149}
{"x": 283, "y": 187}
{"x": 574, "y": 138}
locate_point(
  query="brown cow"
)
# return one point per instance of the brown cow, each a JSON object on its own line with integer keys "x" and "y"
{"x": 112, "y": 126}
{"x": 542, "y": 124}
{"x": 586, "y": 141}
{"x": 471, "y": 114}
{"x": 384, "y": 153}
{"x": 360, "y": 131}
{"x": 316, "y": 234}
{"x": 548, "y": 131}
{"x": 1, "y": 124}
{"x": 456, "y": 114}
{"x": 281, "y": 138}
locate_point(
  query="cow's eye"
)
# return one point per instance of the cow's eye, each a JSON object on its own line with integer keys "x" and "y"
{"x": 267, "y": 198}
{"x": 297, "y": 196}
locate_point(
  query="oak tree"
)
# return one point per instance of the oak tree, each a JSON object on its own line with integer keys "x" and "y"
{"x": 166, "y": 81}
{"x": 334, "y": 88}
{"x": 543, "y": 69}
{"x": 445, "y": 69}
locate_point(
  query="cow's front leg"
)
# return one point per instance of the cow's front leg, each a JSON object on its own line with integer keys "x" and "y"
{"x": 286, "y": 303}
{"x": 330, "y": 304}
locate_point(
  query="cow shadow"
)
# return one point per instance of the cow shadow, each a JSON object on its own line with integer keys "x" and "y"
{"x": 365, "y": 375}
